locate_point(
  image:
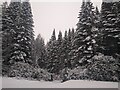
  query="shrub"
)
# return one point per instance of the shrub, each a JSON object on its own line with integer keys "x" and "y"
{"x": 25, "y": 70}
{"x": 21, "y": 70}
{"x": 41, "y": 74}
{"x": 78, "y": 73}
{"x": 5, "y": 69}
{"x": 103, "y": 68}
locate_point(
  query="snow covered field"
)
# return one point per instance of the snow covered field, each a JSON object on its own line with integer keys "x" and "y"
{"x": 15, "y": 83}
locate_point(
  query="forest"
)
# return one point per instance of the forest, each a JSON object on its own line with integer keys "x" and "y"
{"x": 89, "y": 52}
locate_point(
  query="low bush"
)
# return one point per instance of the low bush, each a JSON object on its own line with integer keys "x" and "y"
{"x": 78, "y": 73}
{"x": 99, "y": 68}
{"x": 103, "y": 68}
{"x": 5, "y": 70}
{"x": 25, "y": 70}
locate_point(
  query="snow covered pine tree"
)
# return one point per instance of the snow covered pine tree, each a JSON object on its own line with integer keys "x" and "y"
{"x": 40, "y": 52}
{"x": 19, "y": 29}
{"x": 111, "y": 29}
{"x": 52, "y": 53}
{"x": 83, "y": 44}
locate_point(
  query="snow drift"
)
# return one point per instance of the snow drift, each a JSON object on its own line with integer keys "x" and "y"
{"x": 15, "y": 83}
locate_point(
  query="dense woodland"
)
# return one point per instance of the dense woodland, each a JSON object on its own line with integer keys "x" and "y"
{"x": 89, "y": 52}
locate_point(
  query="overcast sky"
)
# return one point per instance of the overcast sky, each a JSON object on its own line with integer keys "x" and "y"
{"x": 58, "y": 14}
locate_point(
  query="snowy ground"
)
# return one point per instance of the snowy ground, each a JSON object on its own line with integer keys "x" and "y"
{"x": 15, "y": 83}
{"x": 0, "y": 83}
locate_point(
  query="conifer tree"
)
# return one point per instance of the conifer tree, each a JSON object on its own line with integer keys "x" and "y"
{"x": 69, "y": 39}
{"x": 28, "y": 35}
{"x": 69, "y": 45}
{"x": 97, "y": 17}
{"x": 59, "y": 38}
{"x": 20, "y": 32}
{"x": 64, "y": 51}
{"x": 5, "y": 30}
{"x": 1, "y": 39}
{"x": 72, "y": 33}
{"x": 40, "y": 52}
{"x": 110, "y": 16}
{"x": 96, "y": 30}
{"x": 72, "y": 52}
{"x": 59, "y": 52}
{"x": 110, "y": 28}
{"x": 52, "y": 53}
{"x": 12, "y": 23}
{"x": 118, "y": 26}
{"x": 84, "y": 40}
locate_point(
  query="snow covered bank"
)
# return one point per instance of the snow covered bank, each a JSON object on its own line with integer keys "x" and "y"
{"x": 89, "y": 84}
{"x": 0, "y": 83}
{"x": 14, "y": 83}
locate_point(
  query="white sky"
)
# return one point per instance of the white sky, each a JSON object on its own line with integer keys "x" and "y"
{"x": 58, "y": 14}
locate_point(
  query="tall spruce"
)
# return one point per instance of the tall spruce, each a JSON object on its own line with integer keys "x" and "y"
{"x": 20, "y": 32}
{"x": 69, "y": 45}
{"x": 10, "y": 32}
{"x": 59, "y": 52}
{"x": 5, "y": 31}
{"x": 72, "y": 33}
{"x": 118, "y": 26}
{"x": 110, "y": 28}
{"x": 40, "y": 52}
{"x": 52, "y": 53}
{"x": 110, "y": 16}
{"x": 96, "y": 30}
{"x": 28, "y": 29}
{"x": 64, "y": 51}
{"x": 84, "y": 41}
{"x": 0, "y": 40}
{"x": 72, "y": 51}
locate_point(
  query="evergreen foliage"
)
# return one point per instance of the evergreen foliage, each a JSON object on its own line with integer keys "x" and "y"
{"x": 74, "y": 56}
{"x": 110, "y": 30}
{"x": 27, "y": 34}
{"x": 103, "y": 68}
{"x": 52, "y": 54}
{"x": 18, "y": 33}
{"x": 40, "y": 52}
{"x": 84, "y": 38}
{"x": 64, "y": 51}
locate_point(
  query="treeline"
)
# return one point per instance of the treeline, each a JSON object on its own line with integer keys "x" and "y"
{"x": 91, "y": 51}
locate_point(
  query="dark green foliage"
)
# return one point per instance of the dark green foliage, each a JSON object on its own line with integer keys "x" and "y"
{"x": 74, "y": 56}
{"x": 25, "y": 70}
{"x": 59, "y": 52}
{"x": 21, "y": 70}
{"x": 110, "y": 36}
{"x": 69, "y": 46}
{"x": 65, "y": 75}
{"x": 66, "y": 48}
{"x": 17, "y": 33}
{"x": 5, "y": 69}
{"x": 84, "y": 41}
{"x": 64, "y": 51}
{"x": 52, "y": 54}
{"x": 110, "y": 29}
{"x": 79, "y": 73}
{"x": 40, "y": 52}
{"x": 103, "y": 68}
{"x": 27, "y": 34}
{"x": 59, "y": 46}
{"x": 7, "y": 33}
{"x": 96, "y": 30}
